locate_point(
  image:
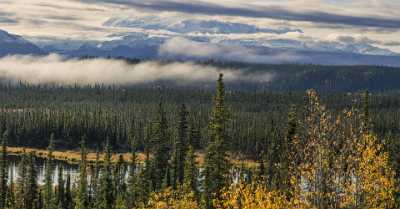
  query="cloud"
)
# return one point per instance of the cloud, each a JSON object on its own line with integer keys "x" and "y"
{"x": 5, "y": 17}
{"x": 181, "y": 48}
{"x": 272, "y": 12}
{"x": 7, "y": 20}
{"x": 53, "y": 69}
{"x": 184, "y": 48}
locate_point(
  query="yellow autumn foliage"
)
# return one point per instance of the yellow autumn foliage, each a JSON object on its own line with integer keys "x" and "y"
{"x": 257, "y": 196}
{"x": 375, "y": 185}
{"x": 170, "y": 199}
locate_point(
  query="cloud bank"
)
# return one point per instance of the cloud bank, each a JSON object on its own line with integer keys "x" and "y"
{"x": 181, "y": 48}
{"x": 272, "y": 12}
{"x": 184, "y": 48}
{"x": 53, "y": 69}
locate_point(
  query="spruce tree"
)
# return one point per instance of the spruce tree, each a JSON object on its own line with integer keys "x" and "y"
{"x": 22, "y": 180}
{"x": 216, "y": 165}
{"x": 288, "y": 153}
{"x": 68, "y": 194}
{"x": 82, "y": 196}
{"x": 48, "y": 196}
{"x": 366, "y": 123}
{"x": 132, "y": 188}
{"x": 167, "y": 179}
{"x": 180, "y": 148}
{"x": 3, "y": 171}
{"x": 60, "y": 188}
{"x": 31, "y": 188}
{"x": 194, "y": 135}
{"x": 106, "y": 198}
{"x": 94, "y": 180}
{"x": 190, "y": 172}
{"x": 119, "y": 177}
{"x": 161, "y": 148}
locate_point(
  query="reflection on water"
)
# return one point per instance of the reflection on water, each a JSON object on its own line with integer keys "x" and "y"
{"x": 72, "y": 170}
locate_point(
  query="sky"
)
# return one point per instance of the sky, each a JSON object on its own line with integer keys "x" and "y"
{"x": 362, "y": 26}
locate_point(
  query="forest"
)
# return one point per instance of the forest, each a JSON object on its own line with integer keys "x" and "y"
{"x": 214, "y": 147}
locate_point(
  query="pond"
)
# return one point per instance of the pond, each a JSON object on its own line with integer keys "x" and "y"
{"x": 73, "y": 170}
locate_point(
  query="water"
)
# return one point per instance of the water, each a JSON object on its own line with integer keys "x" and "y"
{"x": 71, "y": 169}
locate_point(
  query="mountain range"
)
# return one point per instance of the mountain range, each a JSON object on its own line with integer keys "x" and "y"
{"x": 13, "y": 45}
{"x": 142, "y": 46}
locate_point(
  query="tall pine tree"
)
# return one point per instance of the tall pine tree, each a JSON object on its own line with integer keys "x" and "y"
{"x": 160, "y": 144}
{"x": 3, "y": 171}
{"x": 82, "y": 195}
{"x": 48, "y": 196}
{"x": 216, "y": 165}
{"x": 180, "y": 148}
{"x": 105, "y": 198}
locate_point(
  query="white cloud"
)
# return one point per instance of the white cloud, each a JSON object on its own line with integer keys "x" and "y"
{"x": 181, "y": 47}
{"x": 53, "y": 69}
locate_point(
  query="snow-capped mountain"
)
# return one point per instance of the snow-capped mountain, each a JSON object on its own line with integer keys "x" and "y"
{"x": 198, "y": 47}
{"x": 13, "y": 44}
{"x": 193, "y": 26}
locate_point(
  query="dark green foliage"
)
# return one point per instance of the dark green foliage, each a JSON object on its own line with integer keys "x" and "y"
{"x": 260, "y": 126}
{"x": 31, "y": 195}
{"x": 68, "y": 194}
{"x": 133, "y": 188}
{"x": 105, "y": 199}
{"x": 216, "y": 163}
{"x": 190, "y": 172}
{"x": 161, "y": 148}
{"x": 181, "y": 143}
{"x": 27, "y": 191}
{"x": 48, "y": 196}
{"x": 60, "y": 192}
{"x": 3, "y": 171}
{"x": 82, "y": 195}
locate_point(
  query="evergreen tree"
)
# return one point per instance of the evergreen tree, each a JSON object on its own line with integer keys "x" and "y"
{"x": 288, "y": 159}
{"x": 119, "y": 177}
{"x": 94, "y": 180}
{"x": 216, "y": 165}
{"x": 366, "y": 123}
{"x": 161, "y": 148}
{"x": 133, "y": 191}
{"x": 106, "y": 198}
{"x": 82, "y": 196}
{"x": 60, "y": 201}
{"x": 32, "y": 195}
{"x": 68, "y": 194}
{"x": 20, "y": 198}
{"x": 194, "y": 136}
{"x": 3, "y": 171}
{"x": 180, "y": 148}
{"x": 48, "y": 196}
{"x": 190, "y": 172}
{"x": 167, "y": 179}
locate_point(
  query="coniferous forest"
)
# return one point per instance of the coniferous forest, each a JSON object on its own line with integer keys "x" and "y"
{"x": 201, "y": 147}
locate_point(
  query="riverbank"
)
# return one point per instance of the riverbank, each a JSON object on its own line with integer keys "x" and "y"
{"x": 73, "y": 157}
{"x": 70, "y": 156}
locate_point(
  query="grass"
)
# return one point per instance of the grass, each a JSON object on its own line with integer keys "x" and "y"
{"x": 70, "y": 156}
{"x": 73, "y": 157}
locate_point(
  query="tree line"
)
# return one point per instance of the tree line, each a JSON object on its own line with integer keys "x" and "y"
{"x": 316, "y": 158}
